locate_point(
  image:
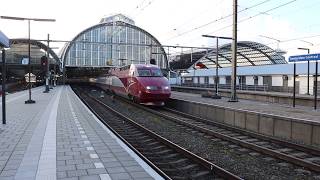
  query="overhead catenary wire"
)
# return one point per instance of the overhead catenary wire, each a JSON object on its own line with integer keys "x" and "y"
{"x": 217, "y": 20}
{"x": 137, "y": 7}
{"x": 191, "y": 19}
{"x": 294, "y": 39}
{"x": 141, "y": 8}
{"x": 260, "y": 13}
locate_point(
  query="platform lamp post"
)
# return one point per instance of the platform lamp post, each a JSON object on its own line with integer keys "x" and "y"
{"x": 308, "y": 82}
{"x": 4, "y": 43}
{"x": 29, "y": 101}
{"x": 47, "y": 68}
{"x": 234, "y": 45}
{"x": 216, "y": 96}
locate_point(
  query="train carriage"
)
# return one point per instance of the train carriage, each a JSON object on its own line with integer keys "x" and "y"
{"x": 139, "y": 82}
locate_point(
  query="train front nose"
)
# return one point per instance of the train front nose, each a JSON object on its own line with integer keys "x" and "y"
{"x": 155, "y": 93}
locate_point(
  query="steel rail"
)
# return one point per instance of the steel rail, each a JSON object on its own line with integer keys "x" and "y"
{"x": 153, "y": 166}
{"x": 299, "y": 147}
{"x": 208, "y": 165}
{"x": 274, "y": 153}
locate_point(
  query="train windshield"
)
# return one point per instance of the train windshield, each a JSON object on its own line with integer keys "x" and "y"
{"x": 150, "y": 73}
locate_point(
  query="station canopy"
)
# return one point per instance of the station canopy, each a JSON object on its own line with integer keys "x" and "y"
{"x": 19, "y": 50}
{"x": 248, "y": 54}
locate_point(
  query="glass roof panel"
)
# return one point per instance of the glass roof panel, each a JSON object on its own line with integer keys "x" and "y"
{"x": 249, "y": 54}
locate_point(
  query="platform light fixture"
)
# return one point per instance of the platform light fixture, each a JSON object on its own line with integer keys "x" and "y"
{"x": 217, "y": 96}
{"x": 29, "y": 101}
{"x": 308, "y": 50}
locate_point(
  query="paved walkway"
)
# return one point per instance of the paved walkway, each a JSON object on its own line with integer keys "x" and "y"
{"x": 303, "y": 113}
{"x": 59, "y": 138}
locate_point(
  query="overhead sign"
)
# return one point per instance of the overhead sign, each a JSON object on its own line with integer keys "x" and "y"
{"x": 4, "y": 40}
{"x": 32, "y": 77}
{"x": 305, "y": 57}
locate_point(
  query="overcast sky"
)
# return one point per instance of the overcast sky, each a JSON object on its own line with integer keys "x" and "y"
{"x": 175, "y": 22}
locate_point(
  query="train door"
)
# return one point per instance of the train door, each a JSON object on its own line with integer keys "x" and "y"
{"x": 131, "y": 81}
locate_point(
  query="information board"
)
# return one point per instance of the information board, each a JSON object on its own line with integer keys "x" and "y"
{"x": 305, "y": 57}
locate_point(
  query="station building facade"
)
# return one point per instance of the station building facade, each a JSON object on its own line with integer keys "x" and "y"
{"x": 276, "y": 78}
{"x": 260, "y": 68}
{"x": 115, "y": 41}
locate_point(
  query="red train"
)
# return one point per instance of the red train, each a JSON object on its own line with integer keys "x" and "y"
{"x": 139, "y": 82}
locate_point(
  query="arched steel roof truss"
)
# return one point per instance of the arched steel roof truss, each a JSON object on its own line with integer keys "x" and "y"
{"x": 248, "y": 54}
{"x": 36, "y": 43}
{"x": 67, "y": 47}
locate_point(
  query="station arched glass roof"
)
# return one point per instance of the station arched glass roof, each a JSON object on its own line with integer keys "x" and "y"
{"x": 115, "y": 41}
{"x": 19, "y": 50}
{"x": 248, "y": 54}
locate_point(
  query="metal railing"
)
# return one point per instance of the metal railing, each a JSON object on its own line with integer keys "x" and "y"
{"x": 245, "y": 87}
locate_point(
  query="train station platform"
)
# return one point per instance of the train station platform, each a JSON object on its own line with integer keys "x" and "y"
{"x": 59, "y": 138}
{"x": 300, "y": 124}
{"x": 256, "y": 95}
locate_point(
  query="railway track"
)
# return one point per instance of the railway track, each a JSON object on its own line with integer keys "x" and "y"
{"x": 303, "y": 156}
{"x": 168, "y": 159}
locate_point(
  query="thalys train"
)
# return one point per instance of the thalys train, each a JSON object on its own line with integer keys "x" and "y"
{"x": 140, "y": 83}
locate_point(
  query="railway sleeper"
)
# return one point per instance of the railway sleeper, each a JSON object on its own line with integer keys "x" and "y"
{"x": 137, "y": 134}
{"x": 153, "y": 143}
{"x": 164, "y": 151}
{"x": 140, "y": 138}
{"x": 189, "y": 167}
{"x": 178, "y": 177}
{"x": 224, "y": 131}
{"x": 261, "y": 143}
{"x": 251, "y": 140}
{"x": 234, "y": 135}
{"x": 285, "y": 150}
{"x": 173, "y": 155}
{"x": 242, "y": 137}
{"x": 201, "y": 174}
{"x": 158, "y": 147}
{"x": 159, "y": 152}
{"x": 300, "y": 155}
{"x": 313, "y": 159}
{"x": 179, "y": 161}
{"x": 160, "y": 160}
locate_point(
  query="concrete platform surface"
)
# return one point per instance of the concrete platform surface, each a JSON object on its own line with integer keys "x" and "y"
{"x": 59, "y": 138}
{"x": 299, "y": 112}
{"x": 300, "y": 124}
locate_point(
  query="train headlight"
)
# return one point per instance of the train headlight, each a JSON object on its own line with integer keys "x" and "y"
{"x": 166, "y": 87}
{"x": 151, "y": 88}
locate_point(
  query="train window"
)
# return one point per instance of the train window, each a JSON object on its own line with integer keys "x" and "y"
{"x": 156, "y": 72}
{"x": 144, "y": 72}
{"x": 150, "y": 72}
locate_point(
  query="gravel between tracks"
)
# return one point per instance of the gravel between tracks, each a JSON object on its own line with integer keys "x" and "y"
{"x": 242, "y": 162}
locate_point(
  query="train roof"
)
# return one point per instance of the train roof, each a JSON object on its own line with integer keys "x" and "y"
{"x": 144, "y": 65}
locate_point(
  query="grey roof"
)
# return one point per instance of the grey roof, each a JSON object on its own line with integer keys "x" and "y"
{"x": 248, "y": 54}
